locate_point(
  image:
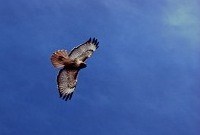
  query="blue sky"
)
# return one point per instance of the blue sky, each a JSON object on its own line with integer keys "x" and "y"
{"x": 143, "y": 79}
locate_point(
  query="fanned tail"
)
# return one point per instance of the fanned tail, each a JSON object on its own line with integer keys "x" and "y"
{"x": 58, "y": 58}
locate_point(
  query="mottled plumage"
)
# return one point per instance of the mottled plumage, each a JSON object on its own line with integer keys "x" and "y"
{"x": 71, "y": 64}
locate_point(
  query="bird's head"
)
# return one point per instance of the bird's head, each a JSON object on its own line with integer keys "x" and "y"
{"x": 80, "y": 64}
{"x": 83, "y": 65}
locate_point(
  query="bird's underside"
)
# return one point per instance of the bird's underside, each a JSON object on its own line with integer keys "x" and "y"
{"x": 71, "y": 64}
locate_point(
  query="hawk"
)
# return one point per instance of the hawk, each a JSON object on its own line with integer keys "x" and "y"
{"x": 71, "y": 63}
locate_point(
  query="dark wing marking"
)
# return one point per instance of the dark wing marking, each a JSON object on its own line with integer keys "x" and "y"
{"x": 67, "y": 80}
{"x": 85, "y": 50}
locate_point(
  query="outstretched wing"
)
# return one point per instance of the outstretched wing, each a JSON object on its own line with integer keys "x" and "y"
{"x": 84, "y": 51}
{"x": 66, "y": 80}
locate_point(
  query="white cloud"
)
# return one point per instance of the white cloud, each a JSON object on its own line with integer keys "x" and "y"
{"x": 181, "y": 16}
{"x": 183, "y": 19}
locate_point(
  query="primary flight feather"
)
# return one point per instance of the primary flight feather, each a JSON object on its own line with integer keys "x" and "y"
{"x": 71, "y": 64}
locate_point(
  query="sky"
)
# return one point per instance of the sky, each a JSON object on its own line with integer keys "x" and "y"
{"x": 142, "y": 80}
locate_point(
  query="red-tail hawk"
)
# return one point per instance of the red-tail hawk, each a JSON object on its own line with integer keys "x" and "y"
{"x": 71, "y": 64}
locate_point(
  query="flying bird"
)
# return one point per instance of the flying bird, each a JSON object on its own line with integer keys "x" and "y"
{"x": 71, "y": 63}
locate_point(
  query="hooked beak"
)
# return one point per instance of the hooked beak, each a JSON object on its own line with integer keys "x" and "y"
{"x": 83, "y": 65}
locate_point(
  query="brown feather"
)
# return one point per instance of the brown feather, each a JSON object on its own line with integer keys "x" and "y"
{"x": 59, "y": 58}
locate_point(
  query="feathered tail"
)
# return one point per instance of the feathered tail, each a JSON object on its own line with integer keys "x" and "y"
{"x": 58, "y": 58}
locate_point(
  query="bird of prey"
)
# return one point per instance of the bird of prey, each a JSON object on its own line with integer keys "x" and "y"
{"x": 71, "y": 63}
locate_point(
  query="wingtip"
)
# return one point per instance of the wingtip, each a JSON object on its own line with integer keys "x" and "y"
{"x": 90, "y": 39}
{"x": 67, "y": 96}
{"x": 71, "y": 96}
{"x": 94, "y": 41}
{"x": 60, "y": 94}
{"x": 97, "y": 44}
{"x": 63, "y": 96}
